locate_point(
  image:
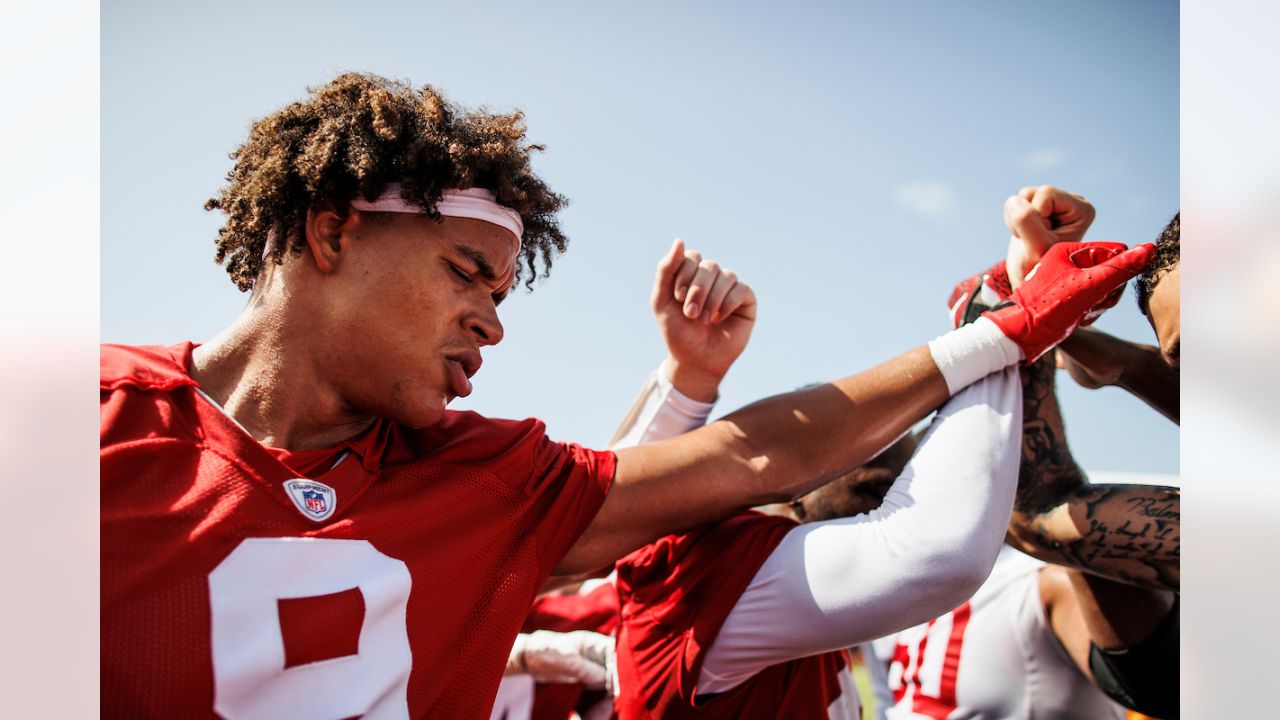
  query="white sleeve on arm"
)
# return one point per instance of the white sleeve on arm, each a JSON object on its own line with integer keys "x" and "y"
{"x": 837, "y": 583}
{"x": 661, "y": 412}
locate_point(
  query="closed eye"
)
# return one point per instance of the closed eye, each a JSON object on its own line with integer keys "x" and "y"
{"x": 461, "y": 274}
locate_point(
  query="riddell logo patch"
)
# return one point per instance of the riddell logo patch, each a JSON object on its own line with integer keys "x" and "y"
{"x": 315, "y": 499}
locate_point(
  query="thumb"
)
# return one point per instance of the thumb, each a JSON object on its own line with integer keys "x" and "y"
{"x": 664, "y": 284}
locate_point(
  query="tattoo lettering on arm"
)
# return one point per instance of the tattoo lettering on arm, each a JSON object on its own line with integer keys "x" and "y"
{"x": 1130, "y": 533}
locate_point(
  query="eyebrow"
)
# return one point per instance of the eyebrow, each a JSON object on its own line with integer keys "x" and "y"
{"x": 484, "y": 268}
{"x": 482, "y": 263}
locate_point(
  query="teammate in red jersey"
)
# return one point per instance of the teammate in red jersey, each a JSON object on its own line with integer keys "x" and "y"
{"x": 294, "y": 525}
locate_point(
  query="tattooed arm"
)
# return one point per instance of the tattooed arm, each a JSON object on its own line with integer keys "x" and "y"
{"x": 1130, "y": 533}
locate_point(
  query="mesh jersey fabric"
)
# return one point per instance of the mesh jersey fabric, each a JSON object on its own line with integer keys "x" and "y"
{"x": 675, "y": 594}
{"x": 213, "y": 580}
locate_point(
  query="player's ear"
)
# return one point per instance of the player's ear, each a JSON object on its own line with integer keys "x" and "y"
{"x": 327, "y": 232}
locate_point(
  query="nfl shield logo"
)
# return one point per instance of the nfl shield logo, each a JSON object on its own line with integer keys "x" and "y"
{"x": 315, "y": 499}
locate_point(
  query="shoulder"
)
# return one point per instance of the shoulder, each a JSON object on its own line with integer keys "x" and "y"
{"x": 145, "y": 367}
{"x": 137, "y": 387}
{"x": 518, "y": 451}
{"x": 468, "y": 438}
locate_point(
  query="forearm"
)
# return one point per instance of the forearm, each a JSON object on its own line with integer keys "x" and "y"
{"x": 770, "y": 451}
{"x": 1147, "y": 377}
{"x": 801, "y": 440}
{"x": 930, "y": 545}
{"x": 781, "y": 447}
{"x": 793, "y": 443}
{"x": 1129, "y": 533}
{"x": 1137, "y": 368}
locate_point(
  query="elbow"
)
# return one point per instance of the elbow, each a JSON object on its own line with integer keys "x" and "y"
{"x": 956, "y": 574}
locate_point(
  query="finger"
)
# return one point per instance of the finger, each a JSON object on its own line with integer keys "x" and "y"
{"x": 740, "y": 302}
{"x": 664, "y": 282}
{"x": 1028, "y": 225}
{"x": 1134, "y": 260}
{"x": 1059, "y": 359}
{"x": 712, "y": 307}
{"x": 1110, "y": 276}
{"x": 700, "y": 288}
{"x": 1027, "y": 193}
{"x": 1068, "y": 213}
{"x": 688, "y": 268}
{"x": 1042, "y": 199}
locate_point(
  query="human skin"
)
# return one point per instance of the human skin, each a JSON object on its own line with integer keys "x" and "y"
{"x": 386, "y": 316}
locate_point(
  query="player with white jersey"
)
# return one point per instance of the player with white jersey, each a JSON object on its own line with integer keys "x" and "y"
{"x": 994, "y": 656}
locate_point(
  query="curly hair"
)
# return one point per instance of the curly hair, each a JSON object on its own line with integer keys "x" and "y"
{"x": 1168, "y": 250}
{"x": 354, "y": 136}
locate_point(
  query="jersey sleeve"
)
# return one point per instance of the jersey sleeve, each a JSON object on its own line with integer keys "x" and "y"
{"x": 569, "y": 483}
{"x": 675, "y": 594}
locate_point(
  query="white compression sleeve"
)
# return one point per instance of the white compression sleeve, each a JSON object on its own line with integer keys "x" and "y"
{"x": 661, "y": 412}
{"x": 837, "y": 583}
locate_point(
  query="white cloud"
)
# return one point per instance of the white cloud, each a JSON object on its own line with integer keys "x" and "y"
{"x": 1045, "y": 159}
{"x": 929, "y": 198}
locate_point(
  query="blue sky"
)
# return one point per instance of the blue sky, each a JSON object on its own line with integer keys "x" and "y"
{"x": 849, "y": 160}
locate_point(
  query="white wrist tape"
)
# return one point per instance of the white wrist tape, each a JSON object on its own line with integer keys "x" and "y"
{"x": 968, "y": 354}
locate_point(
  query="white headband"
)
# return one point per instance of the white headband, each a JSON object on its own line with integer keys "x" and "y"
{"x": 476, "y": 203}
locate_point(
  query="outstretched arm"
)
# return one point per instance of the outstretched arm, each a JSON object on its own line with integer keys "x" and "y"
{"x": 925, "y": 550}
{"x": 1129, "y": 533}
{"x": 782, "y": 447}
{"x": 1095, "y": 359}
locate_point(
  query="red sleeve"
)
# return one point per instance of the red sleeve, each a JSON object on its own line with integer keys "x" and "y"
{"x": 135, "y": 388}
{"x": 675, "y": 595}
{"x": 570, "y": 483}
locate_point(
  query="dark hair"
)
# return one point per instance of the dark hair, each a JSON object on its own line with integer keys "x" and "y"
{"x": 352, "y": 137}
{"x": 1167, "y": 254}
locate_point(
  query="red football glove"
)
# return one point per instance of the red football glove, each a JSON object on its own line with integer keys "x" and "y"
{"x": 978, "y": 294}
{"x": 1072, "y": 282}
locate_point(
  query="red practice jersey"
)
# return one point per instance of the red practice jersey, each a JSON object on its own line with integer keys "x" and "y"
{"x": 384, "y": 578}
{"x": 675, "y": 595}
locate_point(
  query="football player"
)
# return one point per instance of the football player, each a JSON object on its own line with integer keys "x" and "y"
{"x": 293, "y": 522}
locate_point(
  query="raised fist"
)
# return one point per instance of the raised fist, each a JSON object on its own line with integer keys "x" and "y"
{"x": 1038, "y": 218}
{"x": 705, "y": 314}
